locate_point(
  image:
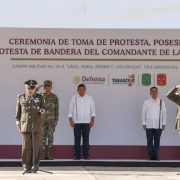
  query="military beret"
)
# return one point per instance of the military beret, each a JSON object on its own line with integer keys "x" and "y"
{"x": 31, "y": 83}
{"x": 47, "y": 82}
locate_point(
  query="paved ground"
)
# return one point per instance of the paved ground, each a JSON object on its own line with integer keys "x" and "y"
{"x": 92, "y": 173}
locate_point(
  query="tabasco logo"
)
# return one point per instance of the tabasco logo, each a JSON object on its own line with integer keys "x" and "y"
{"x": 161, "y": 79}
{"x": 146, "y": 79}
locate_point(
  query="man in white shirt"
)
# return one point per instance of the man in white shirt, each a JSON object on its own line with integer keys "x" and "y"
{"x": 154, "y": 121}
{"x": 81, "y": 117}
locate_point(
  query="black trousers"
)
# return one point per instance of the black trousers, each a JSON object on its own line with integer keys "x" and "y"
{"x": 153, "y": 142}
{"x": 84, "y": 131}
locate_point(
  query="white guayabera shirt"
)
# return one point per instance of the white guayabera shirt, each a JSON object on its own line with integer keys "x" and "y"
{"x": 150, "y": 113}
{"x": 82, "y": 109}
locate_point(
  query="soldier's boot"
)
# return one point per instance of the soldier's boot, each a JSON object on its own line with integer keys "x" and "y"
{"x": 49, "y": 154}
{"x": 43, "y": 155}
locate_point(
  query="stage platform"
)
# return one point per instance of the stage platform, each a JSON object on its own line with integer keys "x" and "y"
{"x": 94, "y": 162}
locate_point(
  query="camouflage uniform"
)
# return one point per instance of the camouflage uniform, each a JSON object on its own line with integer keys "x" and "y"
{"x": 50, "y": 119}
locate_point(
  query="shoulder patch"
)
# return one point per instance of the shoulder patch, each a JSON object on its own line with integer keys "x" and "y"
{"x": 54, "y": 95}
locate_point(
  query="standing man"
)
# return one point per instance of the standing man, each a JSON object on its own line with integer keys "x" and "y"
{"x": 50, "y": 119}
{"x": 174, "y": 96}
{"x": 81, "y": 117}
{"x": 154, "y": 121}
{"x": 29, "y": 108}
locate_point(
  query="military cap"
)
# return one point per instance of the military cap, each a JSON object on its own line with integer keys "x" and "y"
{"x": 47, "y": 82}
{"x": 31, "y": 83}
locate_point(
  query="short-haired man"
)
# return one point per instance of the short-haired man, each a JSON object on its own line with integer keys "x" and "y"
{"x": 154, "y": 121}
{"x": 81, "y": 117}
{"x": 50, "y": 119}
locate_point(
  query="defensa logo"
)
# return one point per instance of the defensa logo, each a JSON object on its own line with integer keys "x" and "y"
{"x": 89, "y": 79}
{"x": 146, "y": 79}
{"x": 130, "y": 80}
{"x": 161, "y": 79}
{"x": 76, "y": 79}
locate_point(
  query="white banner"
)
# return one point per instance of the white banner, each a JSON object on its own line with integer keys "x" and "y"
{"x": 117, "y": 66}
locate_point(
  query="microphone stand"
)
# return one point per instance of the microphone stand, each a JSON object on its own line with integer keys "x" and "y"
{"x": 33, "y": 169}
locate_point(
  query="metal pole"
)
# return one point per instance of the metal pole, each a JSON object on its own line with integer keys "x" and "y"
{"x": 33, "y": 145}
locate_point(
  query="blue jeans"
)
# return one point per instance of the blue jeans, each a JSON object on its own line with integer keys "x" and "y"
{"x": 84, "y": 131}
{"x": 153, "y": 142}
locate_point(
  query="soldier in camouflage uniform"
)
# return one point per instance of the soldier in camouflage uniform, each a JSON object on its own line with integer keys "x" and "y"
{"x": 29, "y": 110}
{"x": 50, "y": 119}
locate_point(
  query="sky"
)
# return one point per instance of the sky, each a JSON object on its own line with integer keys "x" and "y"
{"x": 90, "y": 13}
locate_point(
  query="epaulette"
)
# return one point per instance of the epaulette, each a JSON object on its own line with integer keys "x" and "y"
{"x": 42, "y": 94}
{"x": 19, "y": 95}
{"x": 54, "y": 95}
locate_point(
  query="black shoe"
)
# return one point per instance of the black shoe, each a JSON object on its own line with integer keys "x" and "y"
{"x": 49, "y": 158}
{"x": 76, "y": 158}
{"x": 86, "y": 158}
{"x": 26, "y": 171}
{"x": 156, "y": 159}
{"x": 152, "y": 157}
{"x": 34, "y": 169}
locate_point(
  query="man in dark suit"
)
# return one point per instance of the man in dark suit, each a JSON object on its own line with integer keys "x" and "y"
{"x": 29, "y": 108}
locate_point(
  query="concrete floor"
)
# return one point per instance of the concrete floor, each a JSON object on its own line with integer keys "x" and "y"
{"x": 93, "y": 173}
